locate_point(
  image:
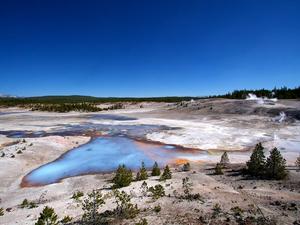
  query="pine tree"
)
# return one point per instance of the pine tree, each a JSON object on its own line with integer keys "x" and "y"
{"x": 298, "y": 162}
{"x": 142, "y": 174}
{"x": 90, "y": 207}
{"x": 167, "y": 174}
{"x": 256, "y": 164}
{"x": 155, "y": 170}
{"x": 275, "y": 165}
{"x": 47, "y": 217}
{"x": 123, "y": 177}
{"x": 224, "y": 159}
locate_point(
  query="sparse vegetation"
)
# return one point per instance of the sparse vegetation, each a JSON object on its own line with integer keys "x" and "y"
{"x": 142, "y": 222}
{"x": 155, "y": 170}
{"x": 77, "y": 195}
{"x": 125, "y": 209}
{"x": 167, "y": 174}
{"x": 66, "y": 220}
{"x": 157, "y": 191}
{"x": 28, "y": 204}
{"x": 123, "y": 177}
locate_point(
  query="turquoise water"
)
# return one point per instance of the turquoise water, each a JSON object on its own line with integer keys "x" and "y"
{"x": 100, "y": 155}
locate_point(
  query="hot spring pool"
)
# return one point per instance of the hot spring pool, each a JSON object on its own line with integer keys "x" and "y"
{"x": 102, "y": 154}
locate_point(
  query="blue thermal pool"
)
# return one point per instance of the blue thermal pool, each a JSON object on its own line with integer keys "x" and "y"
{"x": 103, "y": 154}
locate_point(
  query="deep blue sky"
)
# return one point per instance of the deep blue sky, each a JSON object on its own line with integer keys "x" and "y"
{"x": 147, "y": 48}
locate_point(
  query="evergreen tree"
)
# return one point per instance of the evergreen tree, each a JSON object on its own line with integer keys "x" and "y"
{"x": 167, "y": 174}
{"x": 218, "y": 169}
{"x": 275, "y": 165}
{"x": 123, "y": 177}
{"x": 256, "y": 164}
{"x": 224, "y": 159}
{"x": 90, "y": 207}
{"x": 142, "y": 174}
{"x": 155, "y": 170}
{"x": 47, "y": 217}
{"x": 298, "y": 162}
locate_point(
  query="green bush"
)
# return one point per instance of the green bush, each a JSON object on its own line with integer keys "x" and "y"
{"x": 157, "y": 191}
{"x": 77, "y": 195}
{"x": 123, "y": 177}
{"x": 167, "y": 174}
{"x": 1, "y": 212}
{"x": 157, "y": 208}
{"x": 218, "y": 169}
{"x": 142, "y": 222}
{"x": 66, "y": 220}
{"x": 28, "y": 204}
{"x": 155, "y": 170}
{"x": 297, "y": 163}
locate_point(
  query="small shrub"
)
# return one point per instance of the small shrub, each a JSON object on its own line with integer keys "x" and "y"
{"x": 28, "y": 204}
{"x": 144, "y": 188}
{"x": 157, "y": 191}
{"x": 155, "y": 170}
{"x": 19, "y": 152}
{"x": 91, "y": 206}
{"x": 77, "y": 195}
{"x": 1, "y": 212}
{"x": 142, "y": 222}
{"x": 167, "y": 174}
{"x": 47, "y": 217}
{"x": 186, "y": 167}
{"x": 157, "y": 208}
{"x": 123, "y": 177}
{"x": 218, "y": 169}
{"x": 125, "y": 209}
{"x": 66, "y": 220}
{"x": 216, "y": 210}
{"x": 187, "y": 186}
{"x": 237, "y": 211}
{"x": 2, "y": 154}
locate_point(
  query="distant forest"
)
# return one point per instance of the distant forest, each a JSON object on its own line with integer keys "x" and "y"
{"x": 88, "y": 103}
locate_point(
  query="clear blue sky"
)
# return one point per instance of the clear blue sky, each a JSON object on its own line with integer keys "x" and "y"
{"x": 147, "y": 48}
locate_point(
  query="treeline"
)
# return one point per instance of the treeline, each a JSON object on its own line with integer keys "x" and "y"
{"x": 281, "y": 93}
{"x": 80, "y": 107}
{"x": 73, "y": 99}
